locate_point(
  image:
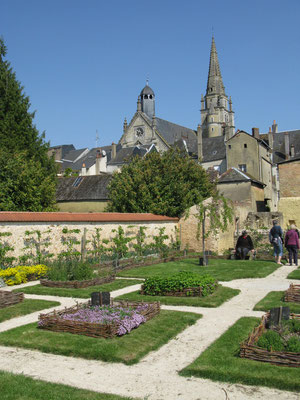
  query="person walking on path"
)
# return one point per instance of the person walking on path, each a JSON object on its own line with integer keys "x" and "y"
{"x": 291, "y": 242}
{"x": 244, "y": 244}
{"x": 276, "y": 238}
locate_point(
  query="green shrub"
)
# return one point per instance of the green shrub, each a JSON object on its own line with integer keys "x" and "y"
{"x": 158, "y": 286}
{"x": 293, "y": 344}
{"x": 70, "y": 271}
{"x": 271, "y": 341}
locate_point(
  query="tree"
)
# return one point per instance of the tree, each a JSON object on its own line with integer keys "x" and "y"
{"x": 27, "y": 174}
{"x": 164, "y": 184}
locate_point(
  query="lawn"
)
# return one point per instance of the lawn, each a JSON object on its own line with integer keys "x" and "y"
{"x": 20, "y": 387}
{"x": 295, "y": 274}
{"x": 83, "y": 293}
{"x": 220, "y": 362}
{"x": 276, "y": 299}
{"x": 128, "y": 349}
{"x": 215, "y": 299}
{"x": 25, "y": 307}
{"x": 223, "y": 270}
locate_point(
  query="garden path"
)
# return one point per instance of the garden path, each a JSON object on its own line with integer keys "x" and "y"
{"x": 156, "y": 377}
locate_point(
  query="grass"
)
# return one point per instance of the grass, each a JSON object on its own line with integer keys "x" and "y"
{"x": 276, "y": 299}
{"x": 20, "y": 387}
{"x": 25, "y": 307}
{"x": 128, "y": 349}
{"x": 220, "y": 362}
{"x": 223, "y": 270}
{"x": 83, "y": 293}
{"x": 215, "y": 299}
{"x": 295, "y": 274}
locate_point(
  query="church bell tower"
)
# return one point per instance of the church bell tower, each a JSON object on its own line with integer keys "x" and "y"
{"x": 217, "y": 117}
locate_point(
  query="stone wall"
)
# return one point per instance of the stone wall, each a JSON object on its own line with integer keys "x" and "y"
{"x": 17, "y": 225}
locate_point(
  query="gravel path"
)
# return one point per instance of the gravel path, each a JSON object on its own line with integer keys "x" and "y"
{"x": 155, "y": 377}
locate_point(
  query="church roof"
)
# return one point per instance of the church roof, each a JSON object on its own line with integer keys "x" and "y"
{"x": 147, "y": 90}
{"x": 213, "y": 149}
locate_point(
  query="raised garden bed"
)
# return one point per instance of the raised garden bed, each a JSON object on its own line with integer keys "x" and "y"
{"x": 186, "y": 292}
{"x": 78, "y": 284}
{"x": 81, "y": 319}
{"x": 293, "y": 294}
{"x": 249, "y": 348}
{"x": 9, "y": 298}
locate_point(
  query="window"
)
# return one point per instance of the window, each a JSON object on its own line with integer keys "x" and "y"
{"x": 243, "y": 167}
{"x": 229, "y": 146}
{"x": 245, "y": 145}
{"x": 77, "y": 181}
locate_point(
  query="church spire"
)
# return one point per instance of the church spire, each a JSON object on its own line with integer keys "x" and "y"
{"x": 214, "y": 82}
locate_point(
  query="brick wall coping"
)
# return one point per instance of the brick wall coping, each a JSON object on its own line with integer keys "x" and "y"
{"x": 12, "y": 216}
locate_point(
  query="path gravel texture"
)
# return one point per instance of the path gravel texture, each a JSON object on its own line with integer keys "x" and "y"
{"x": 155, "y": 377}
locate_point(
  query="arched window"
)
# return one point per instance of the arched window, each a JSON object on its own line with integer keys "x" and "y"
{"x": 145, "y": 96}
{"x": 150, "y": 96}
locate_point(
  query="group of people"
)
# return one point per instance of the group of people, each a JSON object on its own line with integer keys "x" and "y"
{"x": 244, "y": 244}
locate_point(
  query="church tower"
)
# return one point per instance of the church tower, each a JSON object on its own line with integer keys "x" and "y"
{"x": 217, "y": 117}
{"x": 147, "y": 99}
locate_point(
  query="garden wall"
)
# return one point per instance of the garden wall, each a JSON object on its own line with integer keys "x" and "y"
{"x": 17, "y": 223}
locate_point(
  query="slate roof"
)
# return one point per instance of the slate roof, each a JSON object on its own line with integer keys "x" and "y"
{"x": 126, "y": 153}
{"x": 278, "y": 144}
{"x": 65, "y": 148}
{"x": 235, "y": 175}
{"x": 73, "y": 154}
{"x": 213, "y": 149}
{"x": 92, "y": 187}
{"x": 147, "y": 90}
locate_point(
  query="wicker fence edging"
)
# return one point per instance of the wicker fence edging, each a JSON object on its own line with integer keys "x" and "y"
{"x": 248, "y": 349}
{"x": 8, "y": 298}
{"x": 77, "y": 284}
{"x": 53, "y": 321}
{"x": 293, "y": 294}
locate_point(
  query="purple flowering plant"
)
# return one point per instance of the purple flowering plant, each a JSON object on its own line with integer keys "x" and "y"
{"x": 126, "y": 317}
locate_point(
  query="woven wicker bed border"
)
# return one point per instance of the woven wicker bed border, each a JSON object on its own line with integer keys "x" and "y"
{"x": 248, "y": 349}
{"x": 293, "y": 294}
{"x": 77, "y": 284}
{"x": 53, "y": 321}
{"x": 9, "y": 298}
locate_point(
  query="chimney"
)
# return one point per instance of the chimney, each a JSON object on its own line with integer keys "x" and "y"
{"x": 286, "y": 145}
{"x": 83, "y": 170}
{"x": 113, "y": 150}
{"x": 255, "y": 133}
{"x": 274, "y": 127}
{"x": 292, "y": 151}
{"x": 200, "y": 145}
{"x": 270, "y": 138}
{"x": 98, "y": 161}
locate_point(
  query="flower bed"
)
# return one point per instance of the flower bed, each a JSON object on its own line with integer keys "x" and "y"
{"x": 293, "y": 294}
{"x": 22, "y": 274}
{"x": 78, "y": 284}
{"x": 250, "y": 349}
{"x": 107, "y": 321}
{"x": 9, "y": 298}
{"x": 182, "y": 284}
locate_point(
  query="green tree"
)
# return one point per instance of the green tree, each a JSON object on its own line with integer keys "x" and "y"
{"x": 27, "y": 174}
{"x": 164, "y": 184}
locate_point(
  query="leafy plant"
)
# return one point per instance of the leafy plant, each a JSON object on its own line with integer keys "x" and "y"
{"x": 140, "y": 247}
{"x": 271, "y": 341}
{"x": 36, "y": 245}
{"x": 70, "y": 241}
{"x": 177, "y": 282}
{"x": 22, "y": 273}
{"x": 69, "y": 270}
{"x": 293, "y": 345}
{"x": 5, "y": 247}
{"x": 120, "y": 242}
{"x": 98, "y": 245}
{"x": 159, "y": 245}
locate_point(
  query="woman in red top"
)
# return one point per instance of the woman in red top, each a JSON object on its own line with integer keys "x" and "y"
{"x": 291, "y": 242}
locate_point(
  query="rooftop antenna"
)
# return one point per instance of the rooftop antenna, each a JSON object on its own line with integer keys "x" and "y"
{"x": 97, "y": 138}
{"x": 147, "y": 81}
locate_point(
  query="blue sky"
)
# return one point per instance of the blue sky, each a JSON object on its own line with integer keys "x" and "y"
{"x": 84, "y": 62}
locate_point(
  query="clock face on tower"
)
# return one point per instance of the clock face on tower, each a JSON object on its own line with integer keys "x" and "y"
{"x": 139, "y": 132}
